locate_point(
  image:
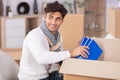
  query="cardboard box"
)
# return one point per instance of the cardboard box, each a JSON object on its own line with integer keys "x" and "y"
{"x": 73, "y": 25}
{"x": 107, "y": 68}
{"x": 113, "y": 21}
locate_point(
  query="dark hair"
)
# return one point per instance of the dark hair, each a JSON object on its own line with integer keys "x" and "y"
{"x": 54, "y": 7}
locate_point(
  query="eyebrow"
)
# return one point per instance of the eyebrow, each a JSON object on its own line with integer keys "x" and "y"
{"x": 53, "y": 16}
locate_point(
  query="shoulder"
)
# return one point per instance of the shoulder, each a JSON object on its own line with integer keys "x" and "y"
{"x": 35, "y": 35}
{"x": 37, "y": 32}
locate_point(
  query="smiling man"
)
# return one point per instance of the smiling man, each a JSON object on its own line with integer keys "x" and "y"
{"x": 53, "y": 21}
{"x": 42, "y": 47}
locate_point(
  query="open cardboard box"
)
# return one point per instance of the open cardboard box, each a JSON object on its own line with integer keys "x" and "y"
{"x": 106, "y": 68}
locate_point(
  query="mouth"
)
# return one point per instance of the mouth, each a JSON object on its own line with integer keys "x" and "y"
{"x": 53, "y": 26}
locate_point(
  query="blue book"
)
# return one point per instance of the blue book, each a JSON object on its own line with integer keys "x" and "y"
{"x": 87, "y": 42}
{"x": 83, "y": 41}
{"x": 95, "y": 51}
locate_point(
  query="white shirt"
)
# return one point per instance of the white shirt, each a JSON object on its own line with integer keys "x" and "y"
{"x": 36, "y": 57}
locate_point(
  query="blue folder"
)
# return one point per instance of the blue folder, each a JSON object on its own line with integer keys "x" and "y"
{"x": 95, "y": 50}
{"x": 87, "y": 42}
{"x": 83, "y": 41}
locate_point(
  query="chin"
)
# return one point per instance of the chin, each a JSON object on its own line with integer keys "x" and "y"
{"x": 53, "y": 30}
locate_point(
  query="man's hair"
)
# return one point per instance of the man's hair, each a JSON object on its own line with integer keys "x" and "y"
{"x": 54, "y": 7}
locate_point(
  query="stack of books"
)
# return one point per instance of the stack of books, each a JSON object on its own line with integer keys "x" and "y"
{"x": 94, "y": 49}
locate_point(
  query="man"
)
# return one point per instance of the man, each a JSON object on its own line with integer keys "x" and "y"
{"x": 42, "y": 47}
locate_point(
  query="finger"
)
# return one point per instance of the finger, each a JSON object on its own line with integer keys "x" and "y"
{"x": 87, "y": 36}
{"x": 86, "y": 51}
{"x": 83, "y": 54}
{"x": 86, "y": 47}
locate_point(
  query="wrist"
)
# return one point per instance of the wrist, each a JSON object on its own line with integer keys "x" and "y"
{"x": 71, "y": 53}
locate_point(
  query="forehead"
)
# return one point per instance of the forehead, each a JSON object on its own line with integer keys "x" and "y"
{"x": 54, "y": 14}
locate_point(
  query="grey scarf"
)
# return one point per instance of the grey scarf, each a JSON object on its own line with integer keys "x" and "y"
{"x": 53, "y": 38}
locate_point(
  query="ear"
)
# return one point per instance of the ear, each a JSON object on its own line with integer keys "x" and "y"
{"x": 62, "y": 20}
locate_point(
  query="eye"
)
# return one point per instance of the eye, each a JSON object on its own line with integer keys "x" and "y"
{"x": 50, "y": 17}
{"x": 58, "y": 19}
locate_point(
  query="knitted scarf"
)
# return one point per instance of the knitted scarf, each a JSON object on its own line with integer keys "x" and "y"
{"x": 54, "y": 40}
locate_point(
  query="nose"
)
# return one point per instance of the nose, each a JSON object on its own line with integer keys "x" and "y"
{"x": 53, "y": 21}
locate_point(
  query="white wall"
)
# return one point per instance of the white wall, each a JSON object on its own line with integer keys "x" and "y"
{"x": 112, "y": 3}
{"x": 14, "y": 3}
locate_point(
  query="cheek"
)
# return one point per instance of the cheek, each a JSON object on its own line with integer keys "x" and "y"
{"x": 47, "y": 22}
{"x": 60, "y": 23}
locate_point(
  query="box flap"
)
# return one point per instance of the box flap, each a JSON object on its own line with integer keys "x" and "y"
{"x": 91, "y": 68}
{"x": 110, "y": 47}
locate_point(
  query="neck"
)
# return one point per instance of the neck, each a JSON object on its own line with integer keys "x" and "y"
{"x": 54, "y": 32}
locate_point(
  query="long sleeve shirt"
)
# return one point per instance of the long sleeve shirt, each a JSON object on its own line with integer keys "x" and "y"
{"x": 36, "y": 57}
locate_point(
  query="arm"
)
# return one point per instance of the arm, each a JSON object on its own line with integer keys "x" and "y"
{"x": 39, "y": 48}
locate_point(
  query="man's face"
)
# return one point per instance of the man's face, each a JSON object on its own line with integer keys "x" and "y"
{"x": 53, "y": 21}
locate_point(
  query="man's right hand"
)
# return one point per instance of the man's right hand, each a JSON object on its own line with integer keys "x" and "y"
{"x": 80, "y": 50}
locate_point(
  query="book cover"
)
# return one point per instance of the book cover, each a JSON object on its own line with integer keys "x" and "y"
{"x": 87, "y": 42}
{"x": 95, "y": 51}
{"x": 83, "y": 41}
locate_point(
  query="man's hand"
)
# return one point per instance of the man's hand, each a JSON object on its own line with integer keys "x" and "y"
{"x": 80, "y": 50}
